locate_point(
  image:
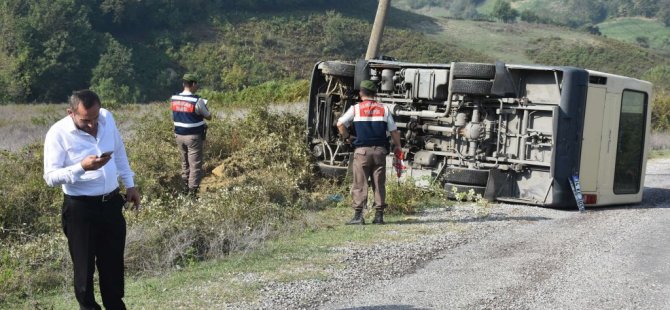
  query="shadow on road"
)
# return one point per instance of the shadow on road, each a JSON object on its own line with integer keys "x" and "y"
{"x": 386, "y": 307}
{"x": 483, "y": 218}
{"x": 652, "y": 198}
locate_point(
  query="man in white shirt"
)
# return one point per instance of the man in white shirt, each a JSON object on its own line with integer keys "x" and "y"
{"x": 189, "y": 113}
{"x": 84, "y": 154}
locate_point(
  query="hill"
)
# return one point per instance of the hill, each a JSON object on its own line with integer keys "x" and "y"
{"x": 134, "y": 54}
{"x": 564, "y": 12}
{"x": 637, "y": 30}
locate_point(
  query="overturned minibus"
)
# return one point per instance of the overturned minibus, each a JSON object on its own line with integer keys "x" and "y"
{"x": 512, "y": 133}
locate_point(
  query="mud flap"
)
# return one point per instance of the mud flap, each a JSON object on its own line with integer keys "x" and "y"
{"x": 501, "y": 184}
{"x": 577, "y": 192}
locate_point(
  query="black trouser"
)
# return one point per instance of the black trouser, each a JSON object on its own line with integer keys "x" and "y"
{"x": 96, "y": 235}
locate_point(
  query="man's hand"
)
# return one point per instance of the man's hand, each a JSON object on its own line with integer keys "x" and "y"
{"x": 92, "y": 162}
{"x": 132, "y": 195}
{"x": 348, "y": 140}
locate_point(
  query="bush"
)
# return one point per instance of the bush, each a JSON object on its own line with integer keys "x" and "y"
{"x": 269, "y": 92}
{"x": 660, "y": 112}
{"x": 408, "y": 198}
{"x": 28, "y": 207}
{"x": 261, "y": 181}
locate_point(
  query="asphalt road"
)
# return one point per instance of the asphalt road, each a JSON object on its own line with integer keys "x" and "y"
{"x": 608, "y": 258}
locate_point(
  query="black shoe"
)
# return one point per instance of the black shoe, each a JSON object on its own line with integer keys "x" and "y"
{"x": 379, "y": 217}
{"x": 357, "y": 219}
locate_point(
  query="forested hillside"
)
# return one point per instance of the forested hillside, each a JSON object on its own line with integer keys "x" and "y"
{"x": 132, "y": 51}
{"x": 136, "y": 51}
{"x": 574, "y": 13}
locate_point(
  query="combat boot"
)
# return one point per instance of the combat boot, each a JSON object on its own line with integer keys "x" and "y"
{"x": 184, "y": 187}
{"x": 193, "y": 193}
{"x": 357, "y": 219}
{"x": 379, "y": 217}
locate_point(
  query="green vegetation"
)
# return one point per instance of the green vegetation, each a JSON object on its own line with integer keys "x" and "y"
{"x": 631, "y": 30}
{"x": 660, "y": 113}
{"x": 263, "y": 187}
{"x": 133, "y": 51}
{"x": 605, "y": 55}
{"x": 504, "y": 12}
{"x": 307, "y": 253}
{"x": 506, "y": 42}
{"x": 572, "y": 13}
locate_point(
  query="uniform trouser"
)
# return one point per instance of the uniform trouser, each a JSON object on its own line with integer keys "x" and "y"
{"x": 191, "y": 149}
{"x": 369, "y": 162}
{"x": 96, "y": 236}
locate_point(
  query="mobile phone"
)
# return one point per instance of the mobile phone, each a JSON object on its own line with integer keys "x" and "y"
{"x": 106, "y": 154}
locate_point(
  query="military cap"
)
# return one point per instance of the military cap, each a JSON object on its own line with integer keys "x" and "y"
{"x": 191, "y": 77}
{"x": 369, "y": 85}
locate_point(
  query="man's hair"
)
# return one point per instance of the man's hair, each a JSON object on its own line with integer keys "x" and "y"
{"x": 367, "y": 92}
{"x": 86, "y": 97}
{"x": 188, "y": 84}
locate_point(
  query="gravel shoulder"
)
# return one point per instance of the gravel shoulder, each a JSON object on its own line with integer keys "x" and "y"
{"x": 515, "y": 257}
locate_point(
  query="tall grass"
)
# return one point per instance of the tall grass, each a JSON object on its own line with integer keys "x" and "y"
{"x": 265, "y": 181}
{"x": 269, "y": 92}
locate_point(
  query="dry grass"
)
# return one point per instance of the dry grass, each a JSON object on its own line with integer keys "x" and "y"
{"x": 25, "y": 124}
{"x": 660, "y": 140}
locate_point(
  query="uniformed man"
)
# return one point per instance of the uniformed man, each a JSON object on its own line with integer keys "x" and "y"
{"x": 189, "y": 113}
{"x": 372, "y": 120}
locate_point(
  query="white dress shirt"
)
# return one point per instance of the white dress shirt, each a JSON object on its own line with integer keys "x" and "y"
{"x": 66, "y": 146}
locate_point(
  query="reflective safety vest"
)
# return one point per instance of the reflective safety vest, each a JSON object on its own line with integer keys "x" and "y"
{"x": 186, "y": 121}
{"x": 370, "y": 124}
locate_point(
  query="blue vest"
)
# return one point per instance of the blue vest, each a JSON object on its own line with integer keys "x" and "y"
{"x": 370, "y": 124}
{"x": 186, "y": 121}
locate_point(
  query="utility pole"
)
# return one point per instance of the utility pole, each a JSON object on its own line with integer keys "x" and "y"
{"x": 377, "y": 29}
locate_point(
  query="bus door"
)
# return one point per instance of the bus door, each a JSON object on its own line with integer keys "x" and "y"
{"x": 595, "y": 124}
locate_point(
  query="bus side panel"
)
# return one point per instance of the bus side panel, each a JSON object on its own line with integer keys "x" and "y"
{"x": 592, "y": 137}
{"x": 609, "y": 150}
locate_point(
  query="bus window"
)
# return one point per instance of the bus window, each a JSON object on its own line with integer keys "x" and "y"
{"x": 630, "y": 143}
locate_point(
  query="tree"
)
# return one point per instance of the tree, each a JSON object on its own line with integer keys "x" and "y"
{"x": 52, "y": 47}
{"x": 592, "y": 29}
{"x": 114, "y": 76}
{"x": 664, "y": 14}
{"x": 646, "y": 8}
{"x": 504, "y": 12}
{"x": 235, "y": 78}
{"x": 529, "y": 16}
{"x": 466, "y": 9}
{"x": 642, "y": 41}
{"x": 660, "y": 77}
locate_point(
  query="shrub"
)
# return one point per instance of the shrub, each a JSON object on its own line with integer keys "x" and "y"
{"x": 660, "y": 112}
{"x": 407, "y": 198}
{"x": 28, "y": 207}
{"x": 285, "y": 91}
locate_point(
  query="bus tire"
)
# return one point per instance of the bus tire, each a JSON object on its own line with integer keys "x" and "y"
{"x": 471, "y": 70}
{"x": 338, "y": 68}
{"x": 471, "y": 87}
{"x": 466, "y": 176}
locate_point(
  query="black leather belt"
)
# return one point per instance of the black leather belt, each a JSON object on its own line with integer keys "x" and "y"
{"x": 100, "y": 198}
